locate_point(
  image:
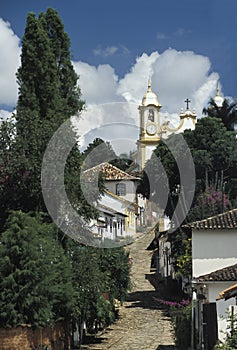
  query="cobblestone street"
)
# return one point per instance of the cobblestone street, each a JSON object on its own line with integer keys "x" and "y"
{"x": 142, "y": 323}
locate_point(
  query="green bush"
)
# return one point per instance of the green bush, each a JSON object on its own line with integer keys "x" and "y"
{"x": 182, "y": 326}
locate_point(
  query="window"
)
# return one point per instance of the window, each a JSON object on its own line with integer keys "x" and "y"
{"x": 151, "y": 115}
{"x": 121, "y": 189}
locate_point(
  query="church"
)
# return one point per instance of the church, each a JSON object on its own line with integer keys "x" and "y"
{"x": 154, "y": 126}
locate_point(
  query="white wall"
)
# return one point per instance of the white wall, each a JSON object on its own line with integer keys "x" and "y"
{"x": 121, "y": 207}
{"x": 149, "y": 149}
{"x": 130, "y": 189}
{"x": 222, "y": 306}
{"x": 213, "y": 250}
{"x": 165, "y": 267}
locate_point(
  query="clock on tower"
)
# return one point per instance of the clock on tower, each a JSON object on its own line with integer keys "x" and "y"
{"x": 149, "y": 126}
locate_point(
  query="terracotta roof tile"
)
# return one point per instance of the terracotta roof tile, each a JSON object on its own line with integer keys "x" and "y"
{"x": 228, "y": 273}
{"x": 227, "y": 220}
{"x": 110, "y": 172}
{"x": 228, "y": 293}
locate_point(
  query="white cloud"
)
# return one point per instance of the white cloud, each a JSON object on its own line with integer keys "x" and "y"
{"x": 175, "y": 76}
{"x": 98, "y": 84}
{"x": 106, "y": 52}
{"x": 111, "y": 50}
{"x": 4, "y": 114}
{"x": 182, "y": 32}
{"x": 133, "y": 86}
{"x": 9, "y": 62}
{"x": 180, "y": 74}
{"x": 161, "y": 36}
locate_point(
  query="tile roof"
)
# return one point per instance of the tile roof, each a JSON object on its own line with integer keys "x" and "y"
{"x": 110, "y": 172}
{"x": 228, "y": 293}
{"x": 226, "y": 274}
{"x": 227, "y": 220}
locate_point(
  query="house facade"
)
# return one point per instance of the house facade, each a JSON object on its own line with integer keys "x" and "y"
{"x": 118, "y": 206}
{"x": 214, "y": 259}
{"x": 210, "y": 286}
{"x": 117, "y": 217}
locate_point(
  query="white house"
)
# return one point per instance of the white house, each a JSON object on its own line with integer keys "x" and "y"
{"x": 211, "y": 285}
{"x": 165, "y": 267}
{"x": 117, "y": 217}
{"x": 214, "y": 259}
{"x": 118, "y": 205}
{"x": 117, "y": 181}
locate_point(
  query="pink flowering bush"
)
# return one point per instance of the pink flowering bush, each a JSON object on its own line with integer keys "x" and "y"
{"x": 180, "y": 311}
{"x": 179, "y": 304}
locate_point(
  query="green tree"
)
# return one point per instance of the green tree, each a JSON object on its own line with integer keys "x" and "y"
{"x": 48, "y": 96}
{"x": 213, "y": 148}
{"x": 163, "y": 170}
{"x": 89, "y": 283}
{"x": 227, "y": 112}
{"x": 214, "y": 153}
{"x": 209, "y": 203}
{"x": 123, "y": 162}
{"x": 35, "y": 274}
{"x": 114, "y": 263}
{"x": 98, "y": 152}
{"x": 60, "y": 45}
{"x": 100, "y": 276}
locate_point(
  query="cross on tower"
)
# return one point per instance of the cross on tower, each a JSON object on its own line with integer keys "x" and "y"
{"x": 187, "y": 101}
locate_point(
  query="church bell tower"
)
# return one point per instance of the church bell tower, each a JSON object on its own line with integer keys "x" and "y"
{"x": 150, "y": 130}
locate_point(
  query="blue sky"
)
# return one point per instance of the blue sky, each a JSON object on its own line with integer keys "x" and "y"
{"x": 207, "y": 27}
{"x": 185, "y": 46}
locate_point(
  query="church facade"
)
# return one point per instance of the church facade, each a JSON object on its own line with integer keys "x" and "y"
{"x": 154, "y": 126}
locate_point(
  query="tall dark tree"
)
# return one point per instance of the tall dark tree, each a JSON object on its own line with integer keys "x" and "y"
{"x": 35, "y": 277}
{"x": 48, "y": 96}
{"x": 60, "y": 44}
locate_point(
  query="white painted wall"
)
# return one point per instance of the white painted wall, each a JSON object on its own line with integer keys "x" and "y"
{"x": 222, "y": 306}
{"x": 149, "y": 149}
{"x": 123, "y": 207}
{"x": 130, "y": 189}
{"x": 112, "y": 202}
{"x": 213, "y": 250}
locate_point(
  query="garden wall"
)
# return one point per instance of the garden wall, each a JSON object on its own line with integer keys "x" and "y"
{"x": 28, "y": 338}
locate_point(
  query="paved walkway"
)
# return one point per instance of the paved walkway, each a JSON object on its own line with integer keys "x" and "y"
{"x": 142, "y": 324}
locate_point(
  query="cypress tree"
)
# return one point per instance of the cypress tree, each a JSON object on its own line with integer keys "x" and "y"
{"x": 60, "y": 44}
{"x": 48, "y": 96}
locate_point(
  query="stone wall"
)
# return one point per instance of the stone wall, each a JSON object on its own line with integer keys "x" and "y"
{"x": 27, "y": 338}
